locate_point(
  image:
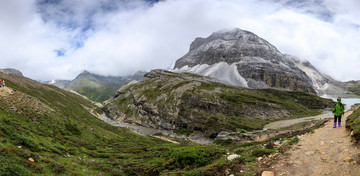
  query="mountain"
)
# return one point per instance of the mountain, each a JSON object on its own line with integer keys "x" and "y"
{"x": 11, "y": 71}
{"x": 96, "y": 87}
{"x": 176, "y": 101}
{"x": 45, "y": 130}
{"x": 241, "y": 58}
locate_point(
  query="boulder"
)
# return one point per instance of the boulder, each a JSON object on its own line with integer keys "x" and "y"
{"x": 233, "y": 156}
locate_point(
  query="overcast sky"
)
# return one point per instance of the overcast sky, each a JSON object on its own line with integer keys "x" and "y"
{"x": 57, "y": 39}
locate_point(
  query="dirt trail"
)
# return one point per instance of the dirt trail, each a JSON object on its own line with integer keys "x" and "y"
{"x": 5, "y": 91}
{"x": 328, "y": 151}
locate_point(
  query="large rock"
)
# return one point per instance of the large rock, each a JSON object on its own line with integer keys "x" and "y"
{"x": 253, "y": 62}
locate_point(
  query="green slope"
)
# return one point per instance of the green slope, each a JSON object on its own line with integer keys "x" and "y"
{"x": 96, "y": 87}
{"x": 352, "y": 86}
{"x": 55, "y": 129}
{"x": 353, "y": 123}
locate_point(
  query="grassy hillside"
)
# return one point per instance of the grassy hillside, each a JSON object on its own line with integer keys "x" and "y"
{"x": 100, "y": 88}
{"x": 187, "y": 101}
{"x": 353, "y": 123}
{"x": 95, "y": 90}
{"x": 352, "y": 86}
{"x": 45, "y": 130}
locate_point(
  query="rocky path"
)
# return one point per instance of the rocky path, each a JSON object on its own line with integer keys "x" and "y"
{"x": 327, "y": 151}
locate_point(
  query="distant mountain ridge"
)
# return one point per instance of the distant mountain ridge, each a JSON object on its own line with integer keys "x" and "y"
{"x": 96, "y": 87}
{"x": 11, "y": 71}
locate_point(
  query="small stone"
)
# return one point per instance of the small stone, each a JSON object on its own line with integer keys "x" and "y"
{"x": 260, "y": 158}
{"x": 233, "y": 156}
{"x": 322, "y": 142}
{"x": 321, "y": 152}
{"x": 13, "y": 109}
{"x": 19, "y": 147}
{"x": 267, "y": 173}
{"x": 308, "y": 153}
{"x": 348, "y": 159}
{"x": 354, "y": 162}
{"x": 227, "y": 171}
{"x": 31, "y": 160}
{"x": 352, "y": 133}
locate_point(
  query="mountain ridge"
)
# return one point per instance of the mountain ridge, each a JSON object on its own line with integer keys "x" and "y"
{"x": 95, "y": 86}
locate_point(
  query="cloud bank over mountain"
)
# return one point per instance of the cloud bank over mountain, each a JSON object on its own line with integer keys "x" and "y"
{"x": 51, "y": 39}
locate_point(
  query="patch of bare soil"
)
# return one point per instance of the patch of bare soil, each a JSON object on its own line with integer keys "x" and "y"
{"x": 327, "y": 151}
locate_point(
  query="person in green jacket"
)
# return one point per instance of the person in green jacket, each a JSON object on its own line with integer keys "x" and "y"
{"x": 338, "y": 111}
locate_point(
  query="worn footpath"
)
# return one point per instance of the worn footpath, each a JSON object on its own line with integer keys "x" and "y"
{"x": 327, "y": 151}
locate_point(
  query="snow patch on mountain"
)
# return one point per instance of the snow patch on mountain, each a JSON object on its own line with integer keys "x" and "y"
{"x": 222, "y": 71}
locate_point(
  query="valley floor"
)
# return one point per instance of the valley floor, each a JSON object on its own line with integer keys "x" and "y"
{"x": 327, "y": 151}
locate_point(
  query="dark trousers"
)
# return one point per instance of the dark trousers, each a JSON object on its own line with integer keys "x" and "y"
{"x": 337, "y": 117}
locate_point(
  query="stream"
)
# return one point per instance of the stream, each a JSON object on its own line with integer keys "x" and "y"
{"x": 195, "y": 137}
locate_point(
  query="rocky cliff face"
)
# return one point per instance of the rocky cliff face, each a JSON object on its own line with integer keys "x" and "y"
{"x": 174, "y": 101}
{"x": 253, "y": 62}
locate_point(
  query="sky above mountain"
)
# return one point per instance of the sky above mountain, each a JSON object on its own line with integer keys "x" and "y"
{"x": 57, "y": 39}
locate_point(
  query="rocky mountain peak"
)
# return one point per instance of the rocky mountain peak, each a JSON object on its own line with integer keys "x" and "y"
{"x": 241, "y": 58}
{"x": 230, "y": 35}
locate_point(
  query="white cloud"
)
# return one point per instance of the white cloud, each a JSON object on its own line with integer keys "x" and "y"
{"x": 131, "y": 35}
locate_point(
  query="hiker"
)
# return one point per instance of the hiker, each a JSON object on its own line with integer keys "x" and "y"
{"x": 3, "y": 83}
{"x": 0, "y": 82}
{"x": 338, "y": 111}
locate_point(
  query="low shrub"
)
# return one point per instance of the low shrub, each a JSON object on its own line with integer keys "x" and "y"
{"x": 73, "y": 129}
{"x": 224, "y": 142}
{"x": 293, "y": 141}
{"x": 191, "y": 156}
{"x": 183, "y": 131}
{"x": 12, "y": 166}
{"x": 24, "y": 141}
{"x": 194, "y": 172}
{"x": 261, "y": 152}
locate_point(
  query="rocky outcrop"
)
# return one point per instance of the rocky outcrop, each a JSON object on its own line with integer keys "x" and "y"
{"x": 256, "y": 61}
{"x": 173, "y": 101}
